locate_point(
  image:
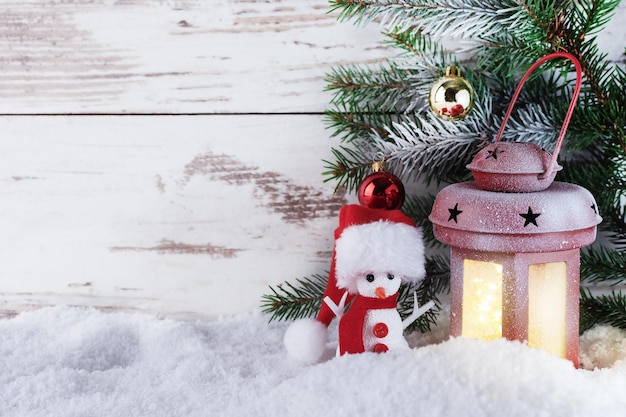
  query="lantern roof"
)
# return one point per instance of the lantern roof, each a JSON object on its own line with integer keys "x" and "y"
{"x": 465, "y": 215}
{"x": 513, "y": 167}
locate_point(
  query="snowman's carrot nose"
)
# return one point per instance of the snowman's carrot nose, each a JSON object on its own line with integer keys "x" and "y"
{"x": 380, "y": 293}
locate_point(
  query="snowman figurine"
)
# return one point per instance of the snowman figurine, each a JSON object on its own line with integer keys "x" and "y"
{"x": 375, "y": 252}
{"x": 373, "y": 324}
{"x": 371, "y": 263}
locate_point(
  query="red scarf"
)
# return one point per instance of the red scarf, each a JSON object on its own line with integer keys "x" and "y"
{"x": 351, "y": 324}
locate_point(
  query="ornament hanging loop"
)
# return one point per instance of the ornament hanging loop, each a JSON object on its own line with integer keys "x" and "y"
{"x": 378, "y": 166}
{"x": 552, "y": 165}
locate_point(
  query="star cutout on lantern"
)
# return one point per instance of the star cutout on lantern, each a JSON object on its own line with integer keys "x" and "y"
{"x": 594, "y": 208}
{"x": 530, "y": 217}
{"x": 454, "y": 212}
{"x": 494, "y": 154}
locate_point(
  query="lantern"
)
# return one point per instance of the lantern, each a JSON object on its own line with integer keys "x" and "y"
{"x": 515, "y": 238}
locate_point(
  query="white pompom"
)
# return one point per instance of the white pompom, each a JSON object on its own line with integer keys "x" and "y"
{"x": 305, "y": 340}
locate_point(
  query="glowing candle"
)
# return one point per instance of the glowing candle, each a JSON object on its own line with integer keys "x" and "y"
{"x": 482, "y": 300}
{"x": 547, "y": 289}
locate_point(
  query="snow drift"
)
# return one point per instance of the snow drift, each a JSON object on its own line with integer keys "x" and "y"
{"x": 82, "y": 362}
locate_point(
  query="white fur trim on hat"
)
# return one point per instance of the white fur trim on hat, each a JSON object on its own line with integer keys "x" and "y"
{"x": 380, "y": 246}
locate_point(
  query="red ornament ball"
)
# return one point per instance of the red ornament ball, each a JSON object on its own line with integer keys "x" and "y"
{"x": 381, "y": 190}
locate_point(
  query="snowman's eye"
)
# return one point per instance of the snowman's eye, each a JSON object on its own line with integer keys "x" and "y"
{"x": 390, "y": 276}
{"x": 370, "y": 278}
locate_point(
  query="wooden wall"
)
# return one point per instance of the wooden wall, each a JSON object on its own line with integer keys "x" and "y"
{"x": 166, "y": 156}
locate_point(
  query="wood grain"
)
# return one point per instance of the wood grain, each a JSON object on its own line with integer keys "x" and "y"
{"x": 173, "y": 56}
{"x": 162, "y": 218}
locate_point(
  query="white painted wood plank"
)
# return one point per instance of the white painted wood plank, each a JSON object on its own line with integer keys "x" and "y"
{"x": 227, "y": 56}
{"x": 176, "y": 215}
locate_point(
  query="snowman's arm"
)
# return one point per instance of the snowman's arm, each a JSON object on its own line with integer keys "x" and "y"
{"x": 337, "y": 309}
{"x": 417, "y": 311}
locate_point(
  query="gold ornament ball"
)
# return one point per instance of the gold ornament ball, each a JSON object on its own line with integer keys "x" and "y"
{"x": 451, "y": 97}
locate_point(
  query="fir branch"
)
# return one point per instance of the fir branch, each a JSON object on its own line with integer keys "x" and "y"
{"x": 438, "y": 274}
{"x": 368, "y": 132}
{"x": 288, "y": 301}
{"x": 420, "y": 49}
{"x": 587, "y": 129}
{"x": 566, "y": 29}
{"x": 590, "y": 17}
{"x": 568, "y": 33}
{"x": 399, "y": 88}
{"x": 614, "y": 225}
{"x": 504, "y": 55}
{"x": 597, "y": 69}
{"x": 544, "y": 20}
{"x": 594, "y": 167}
{"x": 534, "y": 123}
{"x": 433, "y": 151}
{"x": 436, "y": 18}
{"x": 383, "y": 87}
{"x": 540, "y": 85}
{"x": 603, "y": 265}
{"x": 418, "y": 208}
{"x": 616, "y": 108}
{"x": 349, "y": 168}
{"x": 609, "y": 309}
{"x": 352, "y": 126}
{"x": 604, "y": 175}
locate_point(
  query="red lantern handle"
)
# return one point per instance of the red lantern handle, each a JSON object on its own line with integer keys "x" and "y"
{"x": 570, "y": 110}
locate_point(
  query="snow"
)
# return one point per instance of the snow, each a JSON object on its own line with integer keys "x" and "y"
{"x": 68, "y": 362}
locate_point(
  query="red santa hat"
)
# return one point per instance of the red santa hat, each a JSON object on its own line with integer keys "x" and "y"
{"x": 367, "y": 240}
{"x": 380, "y": 246}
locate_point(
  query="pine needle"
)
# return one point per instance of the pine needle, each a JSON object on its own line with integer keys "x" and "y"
{"x": 608, "y": 309}
{"x": 293, "y": 301}
{"x": 603, "y": 265}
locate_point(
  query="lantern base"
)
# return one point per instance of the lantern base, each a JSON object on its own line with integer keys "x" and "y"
{"x": 528, "y": 297}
